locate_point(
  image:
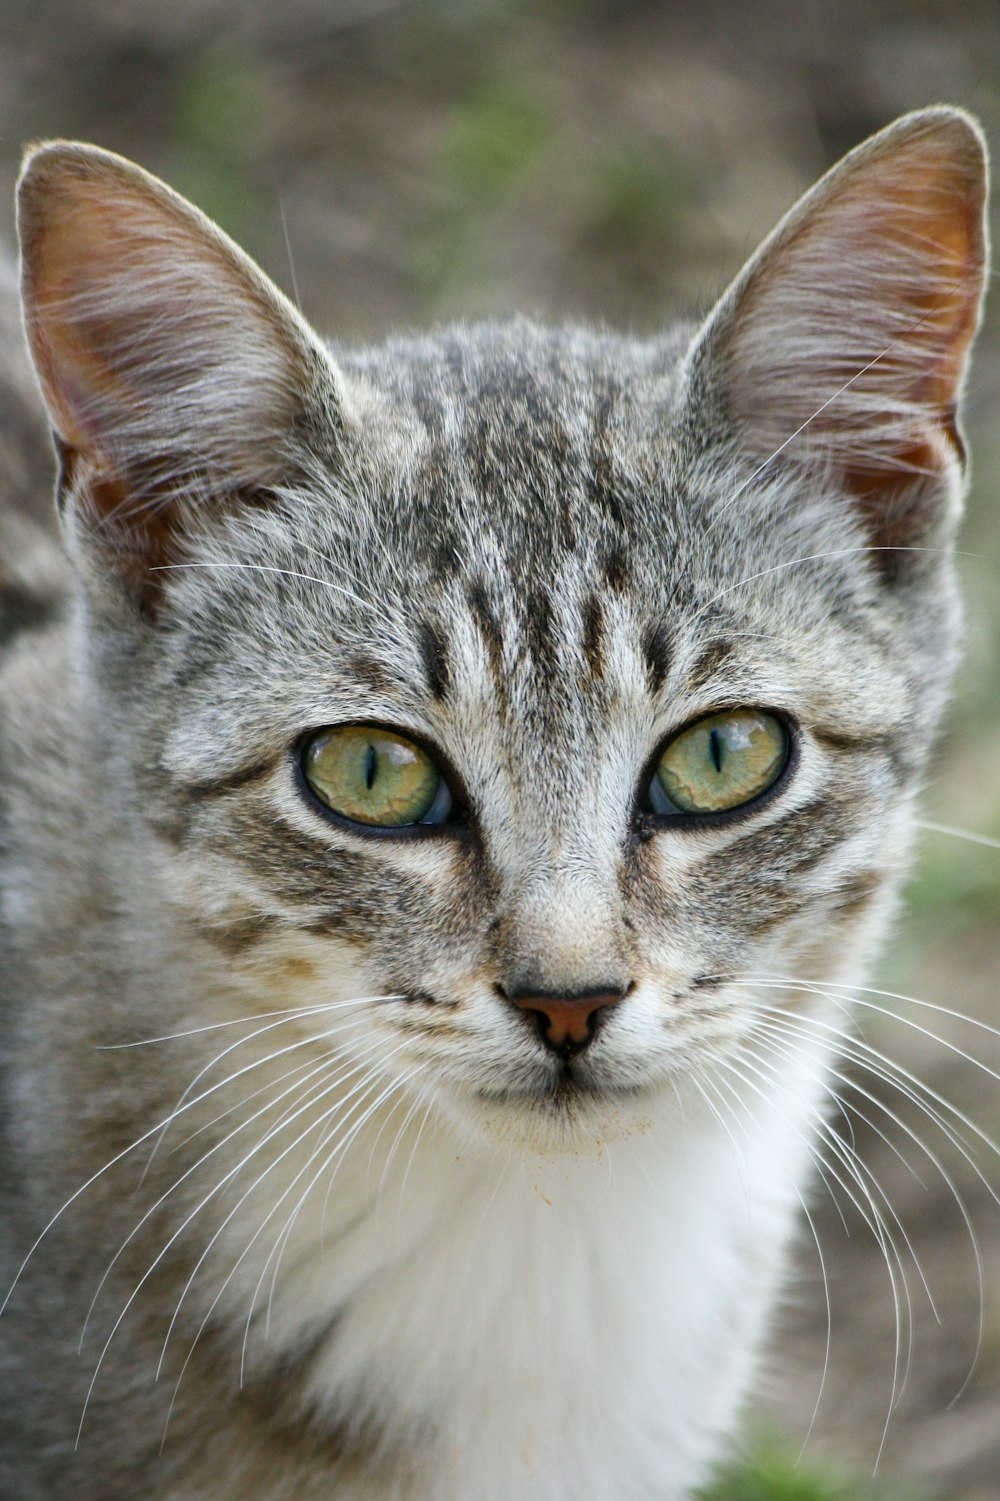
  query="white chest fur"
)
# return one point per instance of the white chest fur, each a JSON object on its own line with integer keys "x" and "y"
{"x": 545, "y": 1328}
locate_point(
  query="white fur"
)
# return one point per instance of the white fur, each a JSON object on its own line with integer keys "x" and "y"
{"x": 546, "y": 1326}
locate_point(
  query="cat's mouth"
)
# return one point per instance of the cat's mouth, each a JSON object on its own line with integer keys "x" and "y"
{"x": 562, "y": 1087}
{"x": 564, "y": 1109}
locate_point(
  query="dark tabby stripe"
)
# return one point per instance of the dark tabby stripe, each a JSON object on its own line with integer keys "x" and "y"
{"x": 657, "y": 649}
{"x": 844, "y": 742}
{"x": 711, "y": 658}
{"x": 904, "y": 758}
{"x": 540, "y": 632}
{"x": 593, "y": 636}
{"x": 236, "y": 938}
{"x": 435, "y": 659}
{"x": 372, "y": 673}
{"x": 857, "y": 892}
{"x": 245, "y": 776}
{"x": 614, "y": 566}
{"x": 488, "y": 626}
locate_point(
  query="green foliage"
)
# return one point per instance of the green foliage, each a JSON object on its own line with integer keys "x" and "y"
{"x": 221, "y": 117}
{"x": 957, "y": 884}
{"x": 771, "y": 1473}
{"x": 218, "y": 103}
{"x": 495, "y": 135}
{"x": 636, "y": 193}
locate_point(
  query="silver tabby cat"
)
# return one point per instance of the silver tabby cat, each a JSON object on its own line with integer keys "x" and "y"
{"x": 448, "y": 788}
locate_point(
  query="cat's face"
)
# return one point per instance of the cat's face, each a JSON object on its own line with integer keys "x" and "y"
{"x": 509, "y": 684}
{"x": 540, "y": 605}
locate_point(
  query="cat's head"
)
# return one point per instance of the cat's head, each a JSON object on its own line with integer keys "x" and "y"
{"x": 552, "y": 694}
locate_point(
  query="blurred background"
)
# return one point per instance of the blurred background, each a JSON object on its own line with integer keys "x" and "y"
{"x": 393, "y": 164}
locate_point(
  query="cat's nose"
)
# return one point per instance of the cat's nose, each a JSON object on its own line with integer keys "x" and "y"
{"x": 566, "y": 1023}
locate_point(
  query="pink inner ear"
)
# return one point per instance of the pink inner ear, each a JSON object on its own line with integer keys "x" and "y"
{"x": 854, "y": 322}
{"x": 164, "y": 355}
{"x": 74, "y": 354}
{"x": 76, "y": 229}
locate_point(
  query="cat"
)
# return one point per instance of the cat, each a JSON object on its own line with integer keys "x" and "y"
{"x": 449, "y": 790}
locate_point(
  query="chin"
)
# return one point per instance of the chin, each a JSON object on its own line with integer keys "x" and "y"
{"x": 566, "y": 1111}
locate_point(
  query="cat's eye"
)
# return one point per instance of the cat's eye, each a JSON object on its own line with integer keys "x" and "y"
{"x": 375, "y": 777}
{"x": 720, "y": 763}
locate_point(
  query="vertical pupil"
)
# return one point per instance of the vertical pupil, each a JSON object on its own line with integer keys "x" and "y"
{"x": 371, "y": 767}
{"x": 714, "y": 749}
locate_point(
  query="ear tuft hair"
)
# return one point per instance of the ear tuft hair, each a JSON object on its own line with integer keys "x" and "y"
{"x": 167, "y": 360}
{"x": 845, "y": 339}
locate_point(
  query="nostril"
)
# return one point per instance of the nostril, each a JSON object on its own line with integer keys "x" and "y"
{"x": 566, "y": 1023}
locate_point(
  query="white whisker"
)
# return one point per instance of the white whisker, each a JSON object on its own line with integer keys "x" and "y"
{"x": 303, "y": 1098}
{"x": 943, "y": 828}
{"x": 828, "y": 1312}
{"x": 153, "y": 1132}
{"x": 178, "y": 1182}
{"x": 394, "y": 1086}
{"x": 335, "y": 1082}
{"x": 926, "y": 1101}
{"x": 308, "y": 578}
{"x": 868, "y": 1207}
{"x": 189, "y": 1218}
{"x": 324, "y": 1122}
{"x": 288, "y": 1013}
{"x": 282, "y": 1020}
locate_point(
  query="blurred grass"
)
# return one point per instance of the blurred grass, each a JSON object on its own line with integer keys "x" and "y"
{"x": 770, "y": 1472}
{"x": 495, "y": 134}
{"x": 222, "y": 104}
{"x": 493, "y": 138}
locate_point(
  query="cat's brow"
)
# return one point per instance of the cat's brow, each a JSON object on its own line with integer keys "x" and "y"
{"x": 816, "y": 557}
{"x": 308, "y": 578}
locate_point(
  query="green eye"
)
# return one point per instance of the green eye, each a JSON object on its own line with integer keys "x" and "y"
{"x": 375, "y": 777}
{"x": 720, "y": 763}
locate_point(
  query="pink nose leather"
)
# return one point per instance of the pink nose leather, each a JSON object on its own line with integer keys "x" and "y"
{"x": 567, "y": 1024}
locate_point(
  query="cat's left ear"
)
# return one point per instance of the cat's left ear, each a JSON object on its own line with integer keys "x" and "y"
{"x": 170, "y": 365}
{"x": 843, "y": 344}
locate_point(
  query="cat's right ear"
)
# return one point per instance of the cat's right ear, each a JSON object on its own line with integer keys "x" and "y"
{"x": 170, "y": 365}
